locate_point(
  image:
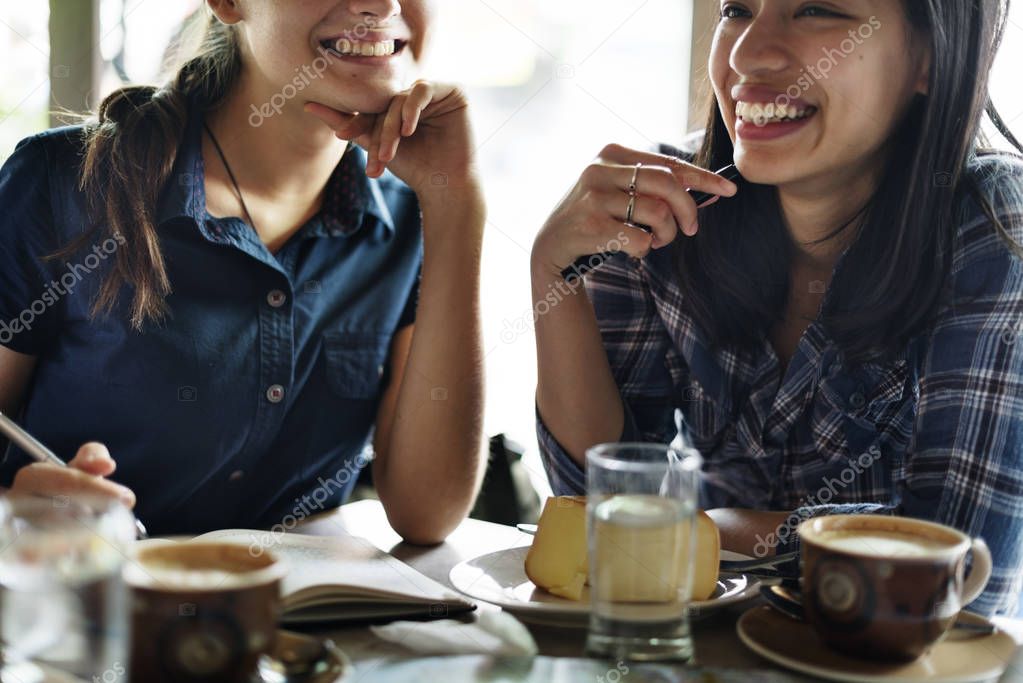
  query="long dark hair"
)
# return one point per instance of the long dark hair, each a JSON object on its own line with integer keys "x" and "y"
{"x": 129, "y": 156}
{"x": 891, "y": 280}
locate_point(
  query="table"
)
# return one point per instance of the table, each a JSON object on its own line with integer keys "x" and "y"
{"x": 716, "y": 642}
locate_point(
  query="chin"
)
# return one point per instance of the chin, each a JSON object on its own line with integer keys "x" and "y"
{"x": 765, "y": 168}
{"x": 362, "y": 98}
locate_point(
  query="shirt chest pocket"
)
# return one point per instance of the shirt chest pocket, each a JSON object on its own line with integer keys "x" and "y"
{"x": 356, "y": 363}
{"x": 853, "y": 408}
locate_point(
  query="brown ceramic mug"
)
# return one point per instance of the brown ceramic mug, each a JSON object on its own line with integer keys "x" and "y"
{"x": 201, "y": 611}
{"x": 887, "y": 588}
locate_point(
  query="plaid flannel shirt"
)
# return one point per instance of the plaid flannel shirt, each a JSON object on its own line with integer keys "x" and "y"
{"x": 936, "y": 433}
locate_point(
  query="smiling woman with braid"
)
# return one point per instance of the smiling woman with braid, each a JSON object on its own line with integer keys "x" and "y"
{"x": 842, "y": 331}
{"x": 264, "y": 298}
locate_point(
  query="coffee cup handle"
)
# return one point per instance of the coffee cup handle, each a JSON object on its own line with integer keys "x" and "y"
{"x": 980, "y": 572}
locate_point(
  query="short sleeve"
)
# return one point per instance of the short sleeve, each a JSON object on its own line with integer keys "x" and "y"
{"x": 28, "y": 296}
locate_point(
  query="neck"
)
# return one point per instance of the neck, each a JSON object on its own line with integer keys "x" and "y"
{"x": 288, "y": 156}
{"x": 815, "y": 209}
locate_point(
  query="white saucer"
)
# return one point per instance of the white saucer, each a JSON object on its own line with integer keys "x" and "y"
{"x": 962, "y": 657}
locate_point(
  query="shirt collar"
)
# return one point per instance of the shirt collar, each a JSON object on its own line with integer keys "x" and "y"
{"x": 350, "y": 193}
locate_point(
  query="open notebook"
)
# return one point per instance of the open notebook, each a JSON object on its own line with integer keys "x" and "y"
{"x": 344, "y": 578}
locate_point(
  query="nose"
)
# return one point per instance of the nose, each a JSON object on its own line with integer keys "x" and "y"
{"x": 762, "y": 49}
{"x": 380, "y": 10}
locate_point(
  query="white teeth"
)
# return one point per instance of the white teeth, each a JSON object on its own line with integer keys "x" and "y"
{"x": 771, "y": 112}
{"x": 364, "y": 49}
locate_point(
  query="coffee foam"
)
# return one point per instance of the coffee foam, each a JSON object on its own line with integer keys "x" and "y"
{"x": 200, "y": 567}
{"x": 881, "y": 543}
{"x": 939, "y": 539}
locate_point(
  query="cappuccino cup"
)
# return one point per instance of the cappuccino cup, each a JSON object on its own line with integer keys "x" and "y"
{"x": 201, "y": 611}
{"x": 887, "y": 588}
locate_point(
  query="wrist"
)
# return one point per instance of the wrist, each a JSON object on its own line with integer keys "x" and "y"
{"x": 543, "y": 269}
{"x": 441, "y": 188}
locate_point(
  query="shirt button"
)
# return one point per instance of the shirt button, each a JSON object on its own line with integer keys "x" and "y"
{"x": 380, "y": 371}
{"x": 275, "y": 393}
{"x": 236, "y": 475}
{"x": 857, "y": 400}
{"x": 276, "y": 298}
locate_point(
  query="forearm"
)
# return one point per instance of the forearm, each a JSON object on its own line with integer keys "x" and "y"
{"x": 743, "y": 531}
{"x": 434, "y": 465}
{"x": 576, "y": 393}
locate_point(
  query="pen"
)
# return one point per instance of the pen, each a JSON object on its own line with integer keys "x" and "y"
{"x": 585, "y": 264}
{"x": 40, "y": 453}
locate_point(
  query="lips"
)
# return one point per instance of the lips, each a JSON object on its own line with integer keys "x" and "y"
{"x": 764, "y": 94}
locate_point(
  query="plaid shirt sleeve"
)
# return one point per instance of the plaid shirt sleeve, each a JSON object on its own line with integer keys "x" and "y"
{"x": 637, "y": 345}
{"x": 964, "y": 467}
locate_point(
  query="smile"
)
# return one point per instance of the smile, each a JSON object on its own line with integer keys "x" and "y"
{"x": 344, "y": 47}
{"x": 763, "y": 114}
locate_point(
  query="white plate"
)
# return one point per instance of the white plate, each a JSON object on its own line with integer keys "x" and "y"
{"x": 500, "y": 578}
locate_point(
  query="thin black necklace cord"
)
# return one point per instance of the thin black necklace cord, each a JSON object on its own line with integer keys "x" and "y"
{"x": 230, "y": 174}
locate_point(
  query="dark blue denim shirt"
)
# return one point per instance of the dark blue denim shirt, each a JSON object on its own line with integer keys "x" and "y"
{"x": 253, "y": 403}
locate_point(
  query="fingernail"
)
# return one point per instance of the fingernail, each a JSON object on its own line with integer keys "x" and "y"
{"x": 127, "y": 498}
{"x": 694, "y": 228}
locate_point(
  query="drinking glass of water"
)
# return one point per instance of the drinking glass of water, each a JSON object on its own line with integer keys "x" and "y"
{"x": 641, "y": 521}
{"x": 63, "y": 600}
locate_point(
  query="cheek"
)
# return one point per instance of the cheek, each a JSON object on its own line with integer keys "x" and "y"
{"x": 865, "y": 98}
{"x": 420, "y": 17}
{"x": 718, "y": 64}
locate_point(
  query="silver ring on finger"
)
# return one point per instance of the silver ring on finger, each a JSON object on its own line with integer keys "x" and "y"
{"x": 635, "y": 177}
{"x": 630, "y": 209}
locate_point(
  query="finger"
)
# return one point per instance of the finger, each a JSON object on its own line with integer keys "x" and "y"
{"x": 635, "y": 242}
{"x": 374, "y": 167}
{"x": 647, "y": 211}
{"x": 346, "y": 126}
{"x": 94, "y": 458}
{"x": 691, "y": 177}
{"x": 659, "y": 182}
{"x": 46, "y": 480}
{"x": 391, "y": 131}
{"x": 419, "y": 99}
{"x": 599, "y": 231}
{"x": 332, "y": 117}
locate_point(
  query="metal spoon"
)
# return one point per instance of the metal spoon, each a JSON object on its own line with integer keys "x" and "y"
{"x": 298, "y": 658}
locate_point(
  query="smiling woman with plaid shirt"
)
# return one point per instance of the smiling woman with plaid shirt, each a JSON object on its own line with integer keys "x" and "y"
{"x": 842, "y": 331}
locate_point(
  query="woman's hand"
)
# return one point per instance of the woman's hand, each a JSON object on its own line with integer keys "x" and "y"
{"x": 85, "y": 476}
{"x": 424, "y": 137}
{"x": 591, "y": 218}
